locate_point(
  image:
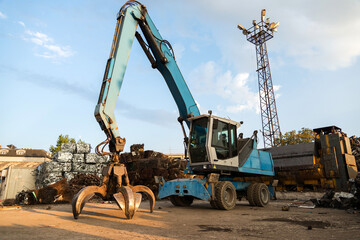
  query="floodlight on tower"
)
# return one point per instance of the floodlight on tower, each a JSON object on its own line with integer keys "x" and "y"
{"x": 258, "y": 35}
{"x": 263, "y": 14}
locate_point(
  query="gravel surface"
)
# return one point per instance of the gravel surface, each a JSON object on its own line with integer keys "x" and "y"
{"x": 200, "y": 221}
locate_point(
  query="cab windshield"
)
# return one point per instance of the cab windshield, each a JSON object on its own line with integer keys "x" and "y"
{"x": 198, "y": 134}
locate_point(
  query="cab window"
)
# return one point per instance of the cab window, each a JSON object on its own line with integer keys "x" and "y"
{"x": 224, "y": 139}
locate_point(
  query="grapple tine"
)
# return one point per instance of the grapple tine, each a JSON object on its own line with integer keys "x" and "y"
{"x": 119, "y": 197}
{"x": 138, "y": 198}
{"x": 148, "y": 193}
{"x": 80, "y": 199}
{"x": 127, "y": 201}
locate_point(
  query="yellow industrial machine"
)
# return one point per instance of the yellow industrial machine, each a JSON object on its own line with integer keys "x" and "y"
{"x": 326, "y": 163}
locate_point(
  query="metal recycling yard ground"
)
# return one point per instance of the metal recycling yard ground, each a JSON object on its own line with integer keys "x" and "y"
{"x": 200, "y": 221}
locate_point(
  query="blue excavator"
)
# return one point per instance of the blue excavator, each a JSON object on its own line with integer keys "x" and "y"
{"x": 227, "y": 167}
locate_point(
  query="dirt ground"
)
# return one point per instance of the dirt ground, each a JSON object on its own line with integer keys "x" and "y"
{"x": 200, "y": 221}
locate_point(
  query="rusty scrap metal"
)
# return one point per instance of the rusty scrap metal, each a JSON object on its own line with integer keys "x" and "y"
{"x": 62, "y": 191}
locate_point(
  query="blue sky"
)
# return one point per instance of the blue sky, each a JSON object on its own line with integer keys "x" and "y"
{"x": 53, "y": 56}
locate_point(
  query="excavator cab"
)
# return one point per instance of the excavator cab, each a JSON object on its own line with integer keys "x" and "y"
{"x": 213, "y": 144}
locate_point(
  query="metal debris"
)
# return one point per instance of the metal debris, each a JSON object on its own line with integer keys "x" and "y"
{"x": 342, "y": 200}
{"x": 355, "y": 146}
{"x": 59, "y": 192}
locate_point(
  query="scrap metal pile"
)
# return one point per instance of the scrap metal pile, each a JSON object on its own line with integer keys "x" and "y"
{"x": 74, "y": 167}
{"x": 342, "y": 200}
{"x": 142, "y": 166}
{"x": 59, "y": 192}
{"x": 71, "y": 160}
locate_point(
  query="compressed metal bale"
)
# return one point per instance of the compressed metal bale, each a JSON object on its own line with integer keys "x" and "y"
{"x": 103, "y": 159}
{"x": 100, "y": 167}
{"x": 67, "y": 167}
{"x": 49, "y": 167}
{"x": 64, "y": 156}
{"x": 84, "y": 168}
{"x": 78, "y": 167}
{"x": 91, "y": 168}
{"x": 51, "y": 178}
{"x": 91, "y": 158}
{"x": 70, "y": 175}
{"x": 68, "y": 147}
{"x": 83, "y": 148}
{"x": 78, "y": 158}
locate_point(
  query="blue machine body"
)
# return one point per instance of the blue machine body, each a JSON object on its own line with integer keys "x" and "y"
{"x": 259, "y": 163}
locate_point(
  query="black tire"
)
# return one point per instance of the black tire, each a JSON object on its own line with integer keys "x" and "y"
{"x": 250, "y": 194}
{"x": 186, "y": 200}
{"x": 213, "y": 204}
{"x": 183, "y": 201}
{"x": 261, "y": 195}
{"x": 175, "y": 200}
{"x": 225, "y": 195}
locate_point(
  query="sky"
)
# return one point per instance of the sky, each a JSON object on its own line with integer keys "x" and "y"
{"x": 54, "y": 53}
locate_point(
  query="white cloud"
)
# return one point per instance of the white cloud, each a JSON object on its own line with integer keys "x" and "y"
{"x": 60, "y": 51}
{"x": 2, "y": 15}
{"x": 38, "y": 38}
{"x": 21, "y": 23}
{"x": 276, "y": 87}
{"x": 322, "y": 36}
{"x": 208, "y": 78}
{"x": 320, "y": 43}
{"x": 49, "y": 49}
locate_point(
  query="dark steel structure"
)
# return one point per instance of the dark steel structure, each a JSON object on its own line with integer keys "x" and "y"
{"x": 258, "y": 34}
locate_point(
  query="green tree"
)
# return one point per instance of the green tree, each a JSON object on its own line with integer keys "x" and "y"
{"x": 61, "y": 139}
{"x": 304, "y": 135}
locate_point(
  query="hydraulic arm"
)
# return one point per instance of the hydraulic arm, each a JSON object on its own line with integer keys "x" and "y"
{"x": 160, "y": 54}
{"x": 115, "y": 182}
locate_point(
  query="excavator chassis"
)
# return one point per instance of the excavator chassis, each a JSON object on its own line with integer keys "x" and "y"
{"x": 115, "y": 183}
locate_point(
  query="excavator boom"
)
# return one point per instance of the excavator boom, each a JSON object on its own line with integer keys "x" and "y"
{"x": 161, "y": 56}
{"x": 115, "y": 183}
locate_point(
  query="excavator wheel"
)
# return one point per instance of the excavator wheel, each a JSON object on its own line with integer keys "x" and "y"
{"x": 225, "y": 195}
{"x": 261, "y": 195}
{"x": 250, "y": 194}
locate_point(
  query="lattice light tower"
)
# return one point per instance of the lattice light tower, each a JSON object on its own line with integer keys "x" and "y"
{"x": 258, "y": 34}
